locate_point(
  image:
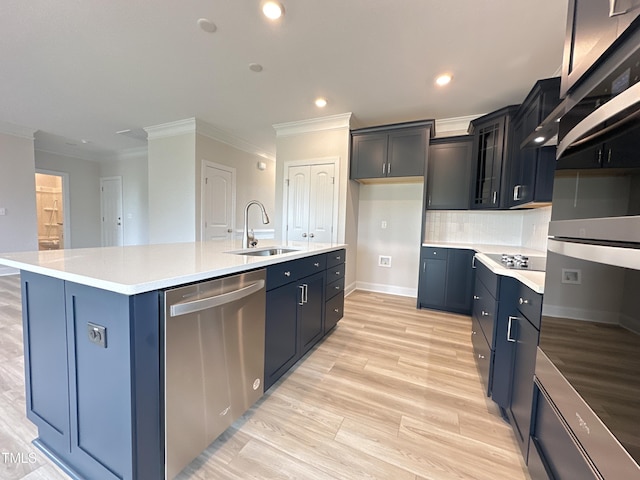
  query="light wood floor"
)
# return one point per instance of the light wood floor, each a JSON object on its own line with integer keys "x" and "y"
{"x": 392, "y": 393}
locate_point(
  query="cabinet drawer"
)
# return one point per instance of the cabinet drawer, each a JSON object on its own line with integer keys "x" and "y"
{"x": 530, "y": 305}
{"x": 283, "y": 273}
{"x": 482, "y": 354}
{"x": 334, "y": 310}
{"x": 334, "y": 288}
{"x": 336, "y": 258}
{"x": 487, "y": 277}
{"x": 484, "y": 311}
{"x": 335, "y": 273}
{"x": 435, "y": 252}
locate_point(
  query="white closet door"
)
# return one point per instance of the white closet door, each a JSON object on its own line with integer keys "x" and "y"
{"x": 298, "y": 203}
{"x": 321, "y": 202}
{"x": 111, "y": 206}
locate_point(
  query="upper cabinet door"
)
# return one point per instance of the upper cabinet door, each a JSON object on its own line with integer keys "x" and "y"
{"x": 369, "y": 152}
{"x": 488, "y": 163}
{"x": 406, "y": 153}
{"x": 449, "y": 173}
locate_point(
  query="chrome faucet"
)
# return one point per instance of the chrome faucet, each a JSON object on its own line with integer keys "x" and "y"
{"x": 249, "y": 239}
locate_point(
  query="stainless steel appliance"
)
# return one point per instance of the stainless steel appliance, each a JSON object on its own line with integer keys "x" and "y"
{"x": 213, "y": 361}
{"x": 588, "y": 362}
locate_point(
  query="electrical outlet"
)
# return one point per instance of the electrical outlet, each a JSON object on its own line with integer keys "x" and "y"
{"x": 383, "y": 224}
{"x": 3, "y": 211}
{"x": 384, "y": 261}
{"x": 571, "y": 276}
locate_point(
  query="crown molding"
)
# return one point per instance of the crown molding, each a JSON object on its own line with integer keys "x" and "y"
{"x": 94, "y": 157}
{"x": 200, "y": 127}
{"x": 331, "y": 122}
{"x": 171, "y": 129}
{"x": 17, "y": 130}
{"x": 132, "y": 153}
{"x": 208, "y": 130}
{"x": 446, "y": 127}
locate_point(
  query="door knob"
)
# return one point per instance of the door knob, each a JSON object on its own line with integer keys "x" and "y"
{"x": 304, "y": 235}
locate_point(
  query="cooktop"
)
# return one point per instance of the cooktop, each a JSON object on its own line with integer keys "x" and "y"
{"x": 518, "y": 261}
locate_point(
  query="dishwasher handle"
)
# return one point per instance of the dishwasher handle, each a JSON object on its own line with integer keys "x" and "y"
{"x": 216, "y": 301}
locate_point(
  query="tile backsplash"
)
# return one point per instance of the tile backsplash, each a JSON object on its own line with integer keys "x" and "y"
{"x": 525, "y": 228}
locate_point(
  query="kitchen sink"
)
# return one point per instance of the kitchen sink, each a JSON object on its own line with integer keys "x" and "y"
{"x": 265, "y": 252}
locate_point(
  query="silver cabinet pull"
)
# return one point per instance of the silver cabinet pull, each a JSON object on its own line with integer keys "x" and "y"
{"x": 609, "y": 156}
{"x": 424, "y": 266}
{"x": 337, "y": 287}
{"x": 612, "y": 9}
{"x": 337, "y": 310}
{"x": 481, "y": 357}
{"x": 301, "y": 287}
{"x": 306, "y": 293}
{"x": 316, "y": 264}
{"x": 485, "y": 314}
{"x": 476, "y": 297}
{"x": 384, "y": 166}
{"x": 495, "y": 196}
{"x": 516, "y": 193}
{"x": 388, "y": 168}
{"x": 429, "y": 201}
{"x": 287, "y": 274}
{"x": 338, "y": 257}
{"x": 522, "y": 301}
{"x": 599, "y": 156}
{"x": 509, "y": 339}
{"x": 473, "y": 263}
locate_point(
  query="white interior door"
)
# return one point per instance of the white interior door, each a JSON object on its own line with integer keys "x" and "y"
{"x": 310, "y": 203}
{"x": 218, "y": 209}
{"x": 321, "y": 206}
{"x": 298, "y": 203}
{"x": 111, "y": 210}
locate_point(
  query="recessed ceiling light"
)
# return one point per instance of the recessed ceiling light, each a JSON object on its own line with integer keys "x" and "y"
{"x": 443, "y": 80}
{"x": 321, "y": 102}
{"x": 255, "y": 67}
{"x": 272, "y": 10}
{"x": 207, "y": 25}
{"x": 85, "y": 141}
{"x": 539, "y": 139}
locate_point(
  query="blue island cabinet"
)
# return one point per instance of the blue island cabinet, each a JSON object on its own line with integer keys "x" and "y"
{"x": 92, "y": 370}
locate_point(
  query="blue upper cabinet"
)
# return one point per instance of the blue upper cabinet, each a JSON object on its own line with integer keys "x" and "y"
{"x": 593, "y": 26}
{"x": 391, "y": 151}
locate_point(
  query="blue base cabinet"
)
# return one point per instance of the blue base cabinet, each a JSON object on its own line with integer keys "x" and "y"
{"x": 96, "y": 406}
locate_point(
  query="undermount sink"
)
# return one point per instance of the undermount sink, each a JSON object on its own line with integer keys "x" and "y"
{"x": 265, "y": 252}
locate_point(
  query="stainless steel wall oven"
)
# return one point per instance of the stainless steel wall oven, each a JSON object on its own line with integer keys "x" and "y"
{"x": 588, "y": 364}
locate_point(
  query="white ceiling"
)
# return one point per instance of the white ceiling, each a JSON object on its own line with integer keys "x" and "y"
{"x": 84, "y": 69}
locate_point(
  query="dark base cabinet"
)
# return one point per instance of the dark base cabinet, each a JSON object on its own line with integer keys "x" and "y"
{"x": 446, "y": 279}
{"x": 96, "y": 407}
{"x": 305, "y": 299}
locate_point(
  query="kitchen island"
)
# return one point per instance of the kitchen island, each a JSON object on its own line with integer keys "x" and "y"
{"x": 98, "y": 405}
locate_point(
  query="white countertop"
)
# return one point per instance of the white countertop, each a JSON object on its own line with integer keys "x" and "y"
{"x": 533, "y": 280}
{"x": 142, "y": 268}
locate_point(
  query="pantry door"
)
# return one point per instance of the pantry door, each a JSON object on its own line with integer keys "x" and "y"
{"x": 218, "y": 201}
{"x": 310, "y": 203}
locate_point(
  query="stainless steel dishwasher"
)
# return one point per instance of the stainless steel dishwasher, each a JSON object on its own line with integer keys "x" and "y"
{"x": 213, "y": 361}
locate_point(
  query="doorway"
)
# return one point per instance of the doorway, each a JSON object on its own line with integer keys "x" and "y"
{"x": 51, "y": 203}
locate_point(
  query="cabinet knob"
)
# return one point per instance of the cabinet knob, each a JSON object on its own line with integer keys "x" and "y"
{"x": 287, "y": 274}
{"x": 473, "y": 332}
{"x": 337, "y": 287}
{"x": 337, "y": 310}
{"x": 485, "y": 314}
{"x": 481, "y": 357}
{"x": 338, "y": 257}
{"x": 316, "y": 264}
{"x": 522, "y": 301}
{"x": 338, "y": 273}
{"x": 476, "y": 297}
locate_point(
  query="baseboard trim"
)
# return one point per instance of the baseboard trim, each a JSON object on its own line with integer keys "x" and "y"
{"x": 390, "y": 289}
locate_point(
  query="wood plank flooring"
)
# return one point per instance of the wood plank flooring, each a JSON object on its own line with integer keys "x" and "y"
{"x": 392, "y": 393}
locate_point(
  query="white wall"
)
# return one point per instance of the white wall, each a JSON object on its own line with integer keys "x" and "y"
{"x": 323, "y": 143}
{"x": 19, "y": 225}
{"x": 135, "y": 194}
{"x": 172, "y": 188}
{"x": 400, "y": 206}
{"x": 251, "y": 183}
{"x": 84, "y": 195}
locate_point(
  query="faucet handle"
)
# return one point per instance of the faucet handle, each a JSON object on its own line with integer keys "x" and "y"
{"x": 252, "y": 238}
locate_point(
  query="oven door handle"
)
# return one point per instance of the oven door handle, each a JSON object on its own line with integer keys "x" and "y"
{"x": 582, "y": 132}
